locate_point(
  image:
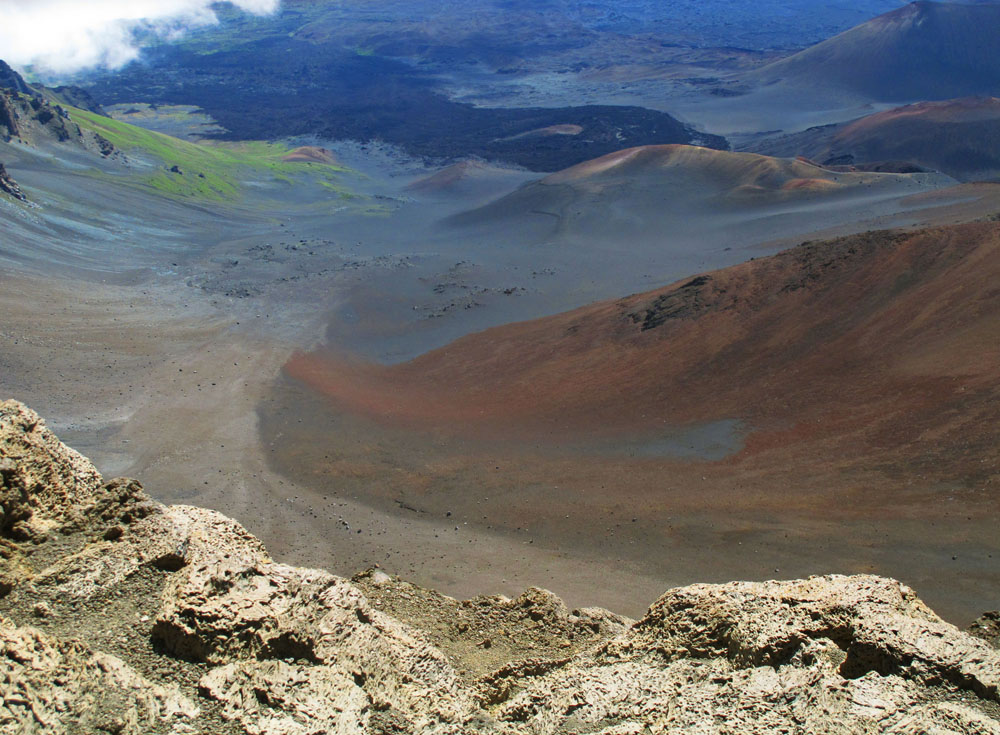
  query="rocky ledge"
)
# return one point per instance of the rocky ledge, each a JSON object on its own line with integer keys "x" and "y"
{"x": 121, "y": 615}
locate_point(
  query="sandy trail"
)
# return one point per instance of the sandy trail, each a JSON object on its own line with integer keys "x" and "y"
{"x": 167, "y": 389}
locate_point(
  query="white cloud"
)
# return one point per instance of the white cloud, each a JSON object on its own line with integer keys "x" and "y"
{"x": 64, "y": 36}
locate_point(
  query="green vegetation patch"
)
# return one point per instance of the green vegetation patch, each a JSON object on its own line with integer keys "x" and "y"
{"x": 212, "y": 171}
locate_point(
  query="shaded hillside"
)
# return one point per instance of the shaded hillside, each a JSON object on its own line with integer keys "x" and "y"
{"x": 883, "y": 344}
{"x": 958, "y": 137}
{"x": 925, "y": 50}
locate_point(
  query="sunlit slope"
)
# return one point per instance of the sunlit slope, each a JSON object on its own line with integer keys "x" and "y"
{"x": 210, "y": 171}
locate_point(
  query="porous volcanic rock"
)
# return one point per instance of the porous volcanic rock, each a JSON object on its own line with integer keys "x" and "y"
{"x": 46, "y": 486}
{"x": 191, "y": 627}
{"x": 54, "y": 686}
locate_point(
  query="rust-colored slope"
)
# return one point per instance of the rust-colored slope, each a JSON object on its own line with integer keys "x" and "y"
{"x": 311, "y": 154}
{"x": 447, "y": 177}
{"x": 882, "y": 342}
{"x": 636, "y": 191}
{"x": 959, "y": 137}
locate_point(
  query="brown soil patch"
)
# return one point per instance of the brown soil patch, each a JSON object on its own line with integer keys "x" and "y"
{"x": 311, "y": 154}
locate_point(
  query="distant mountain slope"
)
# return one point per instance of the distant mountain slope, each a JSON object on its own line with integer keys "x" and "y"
{"x": 881, "y": 345}
{"x": 279, "y": 86}
{"x": 958, "y": 137}
{"x": 925, "y": 50}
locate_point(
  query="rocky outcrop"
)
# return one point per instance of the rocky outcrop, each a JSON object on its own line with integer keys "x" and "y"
{"x": 11, "y": 80}
{"x": 878, "y": 624}
{"x": 8, "y": 118}
{"x": 32, "y": 118}
{"x": 9, "y": 186}
{"x": 46, "y": 486}
{"x": 191, "y": 627}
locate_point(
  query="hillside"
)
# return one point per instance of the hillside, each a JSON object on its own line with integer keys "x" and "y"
{"x": 923, "y": 51}
{"x": 123, "y": 615}
{"x": 654, "y": 192}
{"x": 880, "y": 339}
{"x": 960, "y": 138}
{"x": 808, "y": 412}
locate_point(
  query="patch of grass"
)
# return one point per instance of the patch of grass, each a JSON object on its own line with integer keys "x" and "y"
{"x": 210, "y": 171}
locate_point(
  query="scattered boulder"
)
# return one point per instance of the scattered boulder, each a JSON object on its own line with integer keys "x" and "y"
{"x": 9, "y": 186}
{"x": 104, "y": 146}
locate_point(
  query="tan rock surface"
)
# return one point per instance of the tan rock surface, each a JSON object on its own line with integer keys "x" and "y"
{"x": 44, "y": 485}
{"x": 53, "y": 687}
{"x": 180, "y": 605}
{"x": 233, "y": 610}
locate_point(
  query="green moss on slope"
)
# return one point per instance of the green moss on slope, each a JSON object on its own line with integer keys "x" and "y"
{"x": 211, "y": 171}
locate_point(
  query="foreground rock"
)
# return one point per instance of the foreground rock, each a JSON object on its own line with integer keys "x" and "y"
{"x": 122, "y": 615}
{"x": 52, "y": 686}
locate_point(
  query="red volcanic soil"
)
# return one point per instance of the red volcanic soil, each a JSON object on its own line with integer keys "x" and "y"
{"x": 311, "y": 154}
{"x": 959, "y": 137}
{"x": 447, "y": 177}
{"x": 664, "y": 188}
{"x": 721, "y": 171}
{"x": 867, "y": 369}
{"x": 968, "y": 109}
{"x": 882, "y": 344}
